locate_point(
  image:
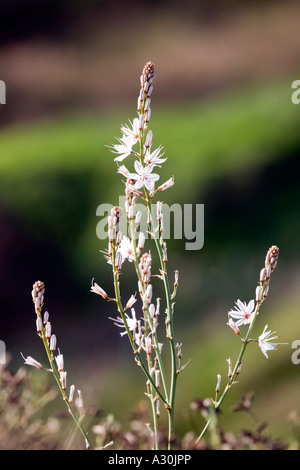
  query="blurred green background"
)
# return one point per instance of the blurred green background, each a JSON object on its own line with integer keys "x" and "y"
{"x": 222, "y": 110}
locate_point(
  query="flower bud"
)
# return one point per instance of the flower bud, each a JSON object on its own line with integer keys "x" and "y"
{"x": 258, "y": 293}
{"x": 39, "y": 324}
{"x": 141, "y": 241}
{"x": 53, "y": 343}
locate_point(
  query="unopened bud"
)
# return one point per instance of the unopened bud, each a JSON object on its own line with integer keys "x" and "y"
{"x": 53, "y": 343}
{"x": 48, "y": 330}
{"x": 149, "y": 293}
{"x": 152, "y": 310}
{"x": 218, "y": 383}
{"x": 258, "y": 293}
{"x": 148, "y": 141}
{"x": 46, "y": 317}
{"x": 138, "y": 218}
{"x": 141, "y": 241}
{"x": 39, "y": 324}
{"x": 262, "y": 275}
{"x": 272, "y": 257}
{"x": 229, "y": 368}
{"x": 148, "y": 345}
{"x": 71, "y": 394}
{"x": 118, "y": 261}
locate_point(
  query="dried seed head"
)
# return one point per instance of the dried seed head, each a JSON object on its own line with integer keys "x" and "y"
{"x": 272, "y": 257}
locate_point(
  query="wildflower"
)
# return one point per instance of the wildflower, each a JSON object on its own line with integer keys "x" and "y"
{"x": 154, "y": 157}
{"x": 144, "y": 176}
{"x": 132, "y": 133}
{"x": 131, "y": 322}
{"x": 232, "y": 325}
{"x": 63, "y": 379}
{"x": 126, "y": 249}
{"x": 243, "y": 313}
{"x": 123, "y": 148}
{"x": 125, "y": 172}
{"x": 264, "y": 341}
{"x": 32, "y": 362}
{"x": 166, "y": 185}
{"x": 98, "y": 290}
{"x": 130, "y": 302}
{"x": 60, "y": 362}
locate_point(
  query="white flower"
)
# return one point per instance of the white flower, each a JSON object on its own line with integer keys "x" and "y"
{"x": 131, "y": 322}
{"x": 144, "y": 176}
{"x": 243, "y": 312}
{"x": 125, "y": 172}
{"x": 32, "y": 362}
{"x": 126, "y": 249}
{"x": 166, "y": 185}
{"x": 154, "y": 157}
{"x": 123, "y": 148}
{"x": 264, "y": 341}
{"x": 134, "y": 132}
{"x": 98, "y": 290}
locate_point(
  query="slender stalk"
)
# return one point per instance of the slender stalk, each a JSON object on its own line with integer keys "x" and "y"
{"x": 171, "y": 329}
{"x": 149, "y": 319}
{"x": 63, "y": 392}
{"x": 239, "y": 360}
{"x": 135, "y": 349}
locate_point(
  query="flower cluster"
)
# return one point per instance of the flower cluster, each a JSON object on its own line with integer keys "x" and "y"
{"x": 246, "y": 313}
{"x": 137, "y": 133}
{"x": 55, "y": 357}
{"x": 141, "y": 184}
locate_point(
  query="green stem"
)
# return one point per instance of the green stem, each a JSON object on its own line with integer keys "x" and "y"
{"x": 135, "y": 349}
{"x": 239, "y": 361}
{"x": 171, "y": 329}
{"x": 148, "y": 316}
{"x": 57, "y": 378}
